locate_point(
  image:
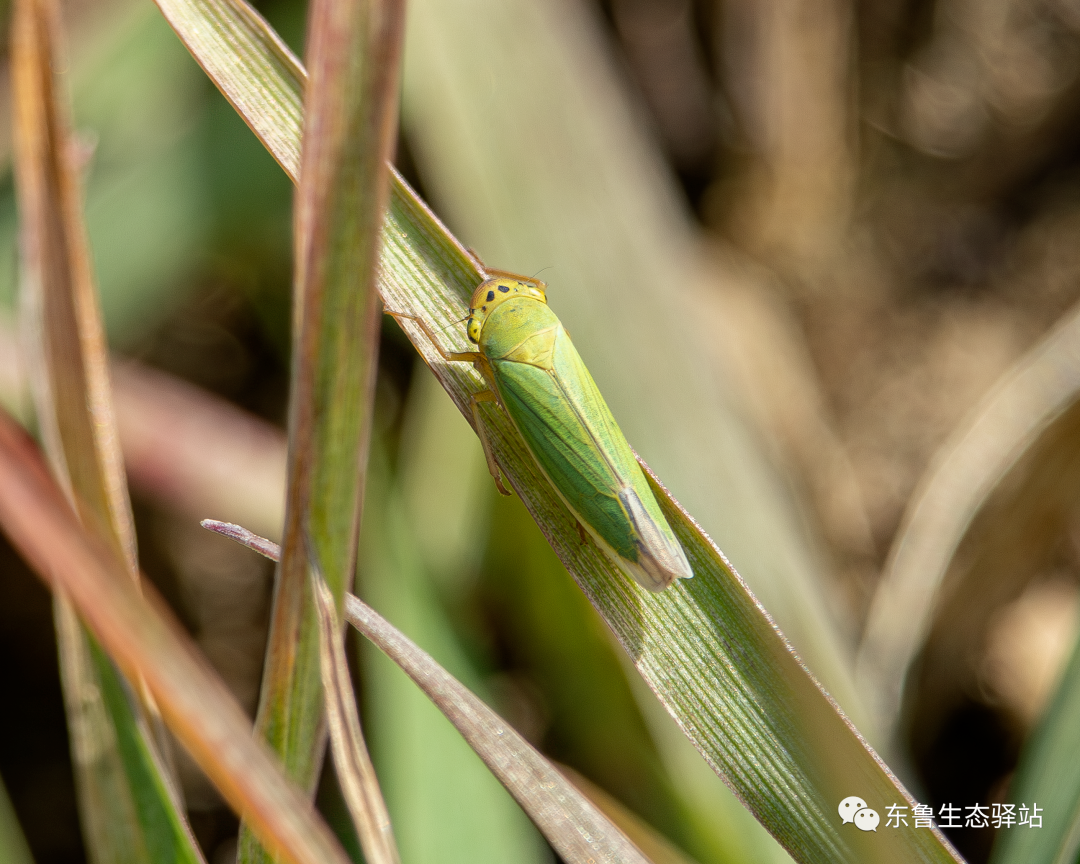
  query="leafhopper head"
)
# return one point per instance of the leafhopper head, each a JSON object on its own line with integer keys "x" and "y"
{"x": 494, "y": 291}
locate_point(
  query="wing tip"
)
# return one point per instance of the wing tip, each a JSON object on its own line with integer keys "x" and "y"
{"x": 661, "y": 558}
{"x": 656, "y": 575}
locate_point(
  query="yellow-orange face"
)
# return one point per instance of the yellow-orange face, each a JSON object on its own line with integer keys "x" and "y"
{"x": 492, "y": 292}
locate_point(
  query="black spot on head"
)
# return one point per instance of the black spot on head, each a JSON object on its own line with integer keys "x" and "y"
{"x": 504, "y": 288}
{"x": 491, "y": 296}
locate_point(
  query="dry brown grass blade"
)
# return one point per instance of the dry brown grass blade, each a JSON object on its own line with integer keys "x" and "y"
{"x": 68, "y": 357}
{"x": 577, "y": 829}
{"x": 355, "y": 772}
{"x": 144, "y": 639}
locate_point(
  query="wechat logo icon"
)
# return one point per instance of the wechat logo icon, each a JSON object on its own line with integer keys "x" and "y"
{"x": 853, "y": 809}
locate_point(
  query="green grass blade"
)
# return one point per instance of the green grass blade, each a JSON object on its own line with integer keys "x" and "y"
{"x": 706, "y": 647}
{"x": 1049, "y": 775}
{"x": 732, "y": 828}
{"x": 348, "y": 135}
{"x": 128, "y": 802}
{"x": 556, "y": 629}
{"x": 251, "y": 65}
{"x": 13, "y": 846}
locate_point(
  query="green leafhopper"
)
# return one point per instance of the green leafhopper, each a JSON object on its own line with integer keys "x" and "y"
{"x": 534, "y": 372}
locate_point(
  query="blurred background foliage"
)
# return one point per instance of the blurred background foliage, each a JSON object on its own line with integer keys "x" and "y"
{"x": 878, "y": 204}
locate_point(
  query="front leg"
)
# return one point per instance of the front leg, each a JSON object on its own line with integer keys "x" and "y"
{"x": 448, "y": 356}
{"x": 493, "y": 466}
{"x": 478, "y": 359}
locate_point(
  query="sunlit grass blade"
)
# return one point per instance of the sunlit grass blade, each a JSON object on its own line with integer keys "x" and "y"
{"x": 349, "y": 131}
{"x": 1048, "y": 775}
{"x": 705, "y": 646}
{"x": 355, "y": 772}
{"x": 13, "y": 846}
{"x": 616, "y": 726}
{"x": 147, "y": 643}
{"x": 129, "y": 805}
{"x": 979, "y": 454}
{"x": 252, "y": 66}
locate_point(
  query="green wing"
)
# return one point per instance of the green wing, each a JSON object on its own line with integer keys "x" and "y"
{"x": 569, "y": 429}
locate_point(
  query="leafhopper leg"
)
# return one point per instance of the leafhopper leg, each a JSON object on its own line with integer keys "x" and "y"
{"x": 448, "y": 356}
{"x": 474, "y": 401}
{"x": 493, "y": 466}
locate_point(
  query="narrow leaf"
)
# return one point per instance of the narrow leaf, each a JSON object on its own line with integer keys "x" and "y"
{"x": 13, "y": 846}
{"x": 128, "y": 802}
{"x": 140, "y": 634}
{"x": 252, "y": 66}
{"x": 354, "y": 769}
{"x": 349, "y": 131}
{"x": 1048, "y": 776}
{"x": 69, "y": 364}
